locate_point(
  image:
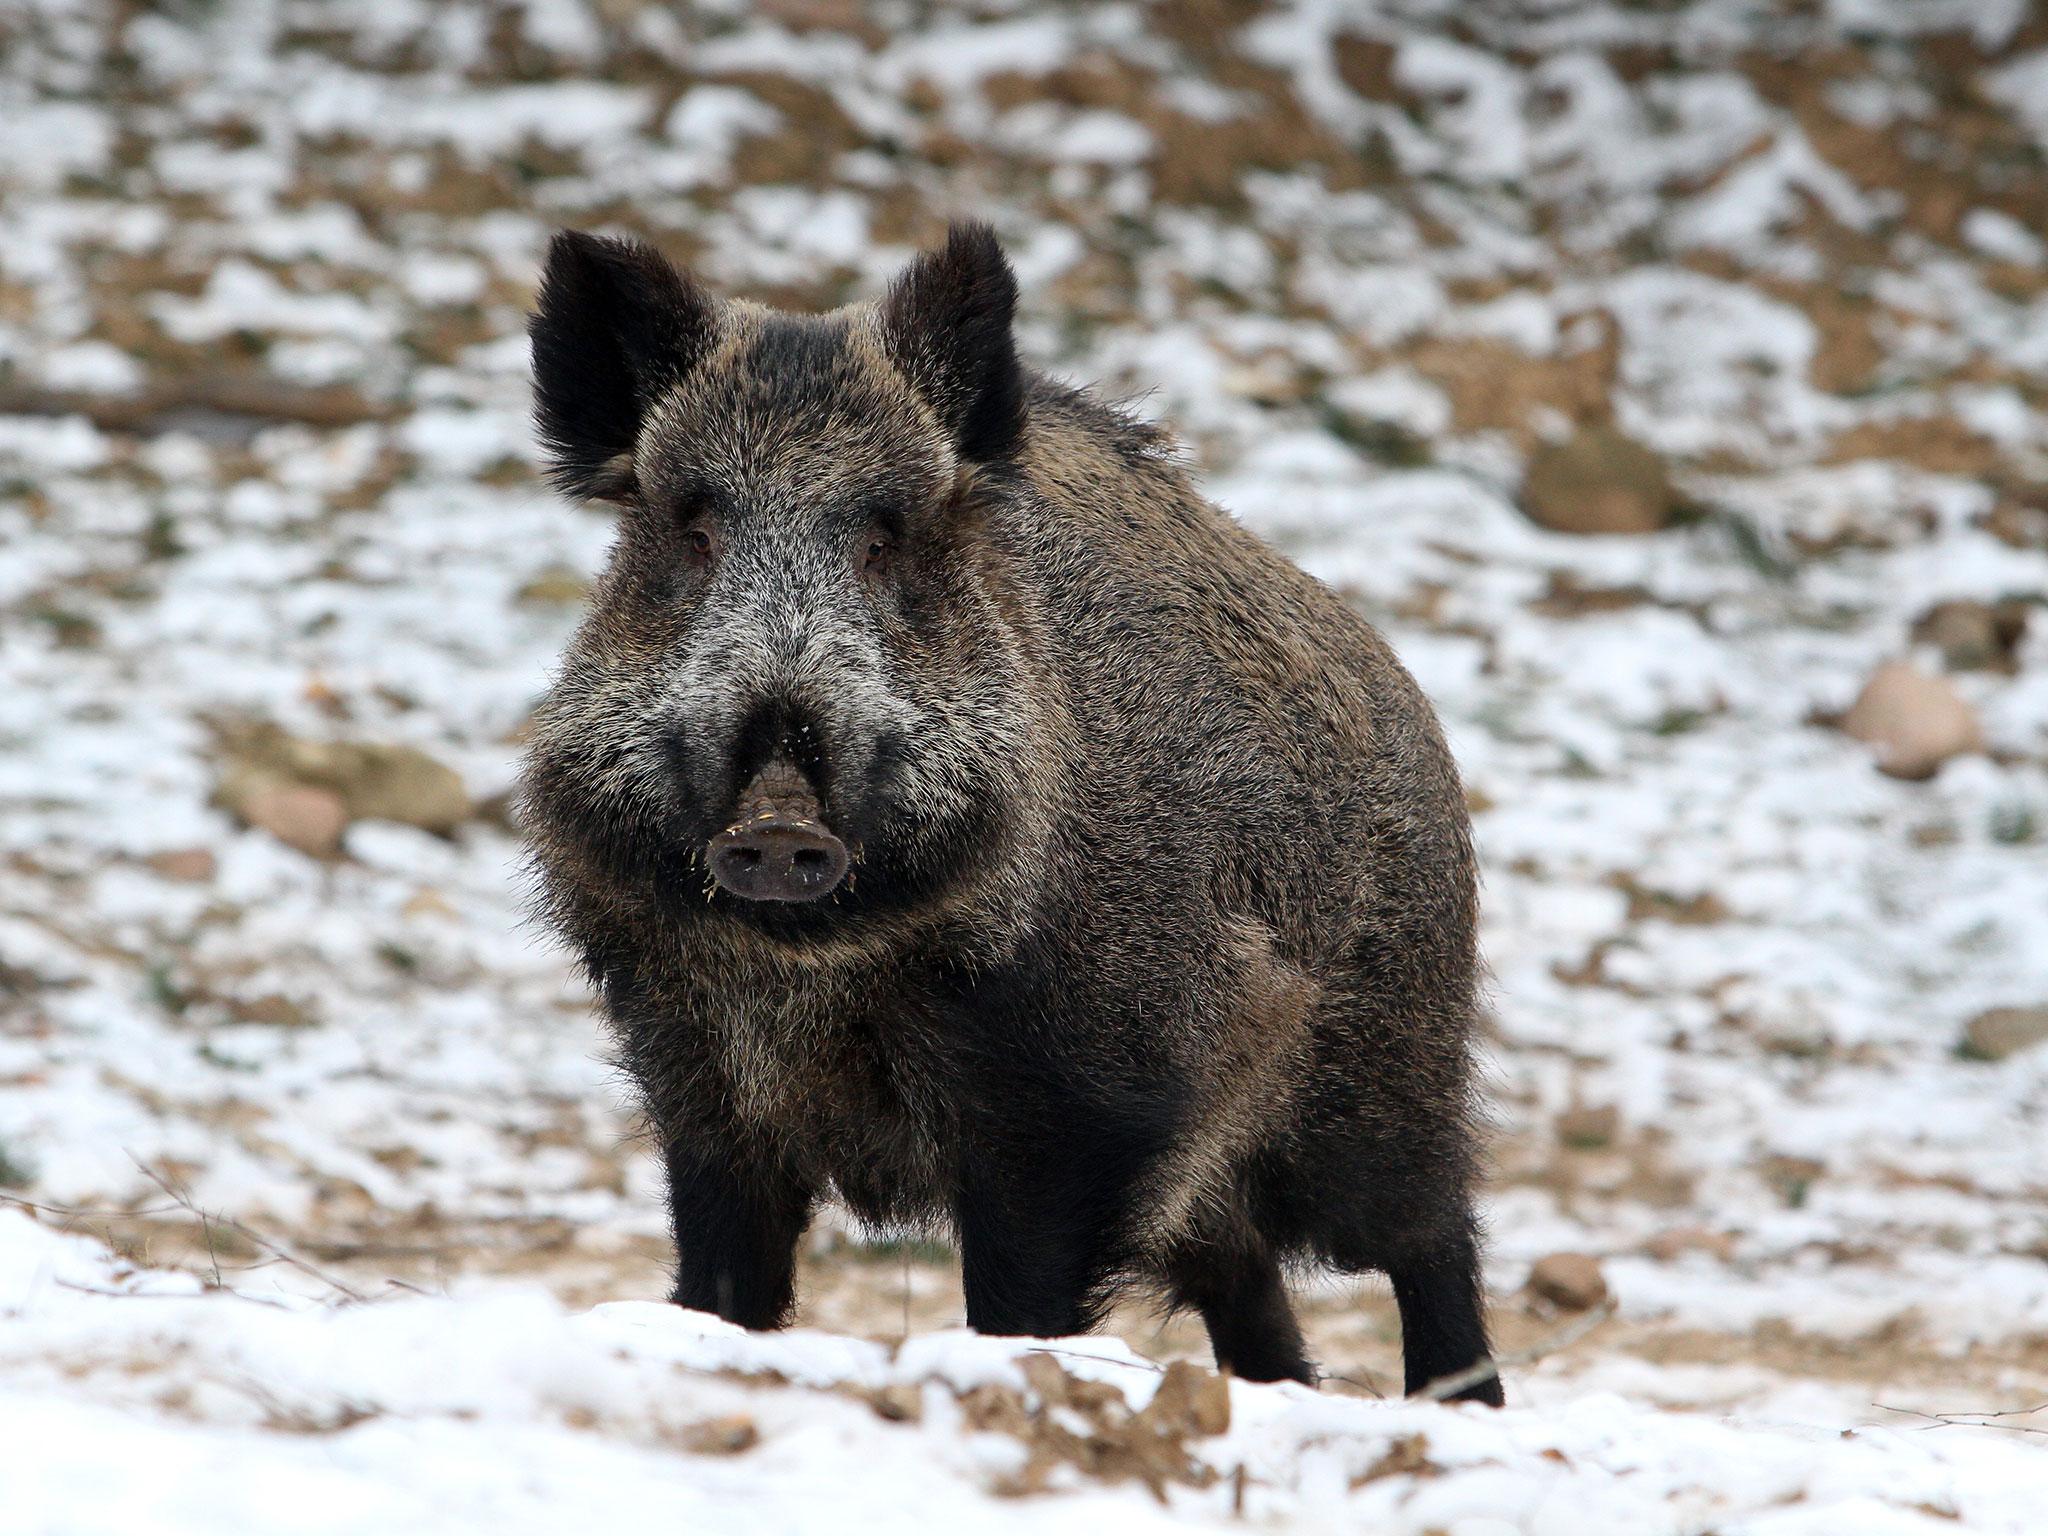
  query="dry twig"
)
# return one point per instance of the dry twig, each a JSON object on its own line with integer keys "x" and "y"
{"x": 1075, "y": 1354}
{"x": 84, "y": 1212}
{"x": 101, "y": 1290}
{"x": 276, "y": 1249}
{"x": 1970, "y": 1418}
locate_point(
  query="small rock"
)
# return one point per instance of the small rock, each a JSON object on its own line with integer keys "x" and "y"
{"x": 1572, "y": 1281}
{"x": 1675, "y": 1242}
{"x": 374, "y": 781}
{"x": 402, "y": 784}
{"x": 816, "y": 15}
{"x": 272, "y": 1008}
{"x": 1974, "y": 636}
{"x": 727, "y": 1435}
{"x": 1599, "y": 480}
{"x": 1264, "y": 384}
{"x": 1589, "y": 1126}
{"x": 192, "y": 866}
{"x": 1997, "y": 1033}
{"x": 300, "y": 816}
{"x": 554, "y": 586}
{"x": 1915, "y": 721}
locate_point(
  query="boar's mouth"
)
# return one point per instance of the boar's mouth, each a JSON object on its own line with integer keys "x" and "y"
{"x": 778, "y": 847}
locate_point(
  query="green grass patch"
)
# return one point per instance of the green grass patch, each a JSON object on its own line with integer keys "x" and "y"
{"x": 2014, "y": 822}
{"x": 16, "y": 1170}
{"x": 899, "y": 1250}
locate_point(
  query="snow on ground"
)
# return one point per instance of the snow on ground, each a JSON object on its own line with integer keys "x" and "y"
{"x": 138, "y": 1400}
{"x": 264, "y": 463}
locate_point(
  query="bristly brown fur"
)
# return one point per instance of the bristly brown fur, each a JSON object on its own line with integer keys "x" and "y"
{"x": 1156, "y": 960}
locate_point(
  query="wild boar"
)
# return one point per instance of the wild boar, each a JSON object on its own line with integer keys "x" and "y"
{"x": 959, "y": 816}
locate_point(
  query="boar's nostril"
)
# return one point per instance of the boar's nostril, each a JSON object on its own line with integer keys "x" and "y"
{"x": 775, "y": 859}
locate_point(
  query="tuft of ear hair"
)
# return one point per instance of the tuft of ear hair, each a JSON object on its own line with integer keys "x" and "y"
{"x": 614, "y": 328}
{"x": 946, "y": 324}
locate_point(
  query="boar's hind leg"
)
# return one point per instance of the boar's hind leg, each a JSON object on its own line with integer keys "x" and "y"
{"x": 1236, "y": 1286}
{"x": 1442, "y": 1328}
{"x": 736, "y": 1228}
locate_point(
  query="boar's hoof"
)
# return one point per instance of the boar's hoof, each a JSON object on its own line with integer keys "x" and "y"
{"x": 773, "y": 858}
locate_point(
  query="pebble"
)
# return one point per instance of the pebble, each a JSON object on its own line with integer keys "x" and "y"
{"x": 298, "y": 815}
{"x": 1915, "y": 720}
{"x": 1599, "y": 480}
{"x": 1997, "y": 1033}
{"x": 1573, "y": 1281}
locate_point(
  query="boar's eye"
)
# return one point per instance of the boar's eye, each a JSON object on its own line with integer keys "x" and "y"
{"x": 699, "y": 543}
{"x": 875, "y": 553}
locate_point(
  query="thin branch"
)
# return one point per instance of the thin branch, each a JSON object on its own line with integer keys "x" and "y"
{"x": 1075, "y": 1354}
{"x": 1485, "y": 1370}
{"x": 83, "y": 1212}
{"x": 1970, "y": 1418}
{"x": 101, "y": 1290}
{"x": 1368, "y": 1386}
{"x": 277, "y": 1250}
{"x": 1967, "y": 1413}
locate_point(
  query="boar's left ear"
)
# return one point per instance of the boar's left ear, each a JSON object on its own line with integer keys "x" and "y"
{"x": 946, "y": 324}
{"x": 615, "y": 326}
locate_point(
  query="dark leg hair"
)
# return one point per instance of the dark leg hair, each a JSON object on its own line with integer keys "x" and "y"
{"x": 1058, "y": 1152}
{"x": 1443, "y": 1330}
{"x": 1033, "y": 1260}
{"x": 1046, "y": 1200}
{"x": 1236, "y": 1286}
{"x": 736, "y": 1230}
{"x": 1017, "y": 1288}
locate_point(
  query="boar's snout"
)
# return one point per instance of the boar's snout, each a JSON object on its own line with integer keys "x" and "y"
{"x": 778, "y": 847}
{"x": 777, "y": 860}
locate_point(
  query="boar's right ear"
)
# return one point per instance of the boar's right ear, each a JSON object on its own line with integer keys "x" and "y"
{"x": 614, "y": 327}
{"x": 946, "y": 324}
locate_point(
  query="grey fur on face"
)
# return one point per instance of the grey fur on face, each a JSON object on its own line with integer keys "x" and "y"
{"x": 792, "y": 447}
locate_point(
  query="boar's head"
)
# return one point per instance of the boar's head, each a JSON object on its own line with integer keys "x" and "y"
{"x": 800, "y": 697}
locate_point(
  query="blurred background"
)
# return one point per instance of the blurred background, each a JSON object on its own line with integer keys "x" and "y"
{"x": 1667, "y": 379}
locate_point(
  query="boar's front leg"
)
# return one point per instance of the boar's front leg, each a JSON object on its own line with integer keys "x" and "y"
{"x": 736, "y": 1222}
{"x": 1028, "y": 1266}
{"x": 1047, "y": 1204}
